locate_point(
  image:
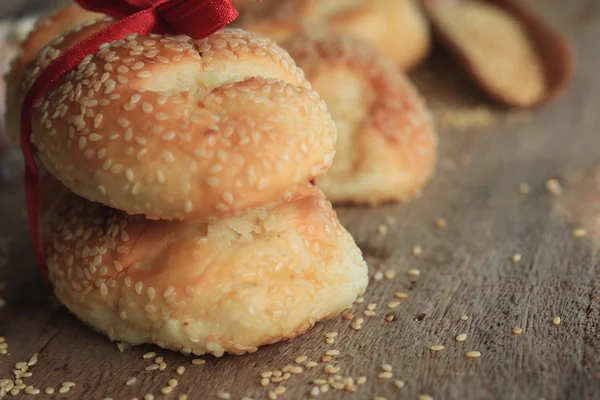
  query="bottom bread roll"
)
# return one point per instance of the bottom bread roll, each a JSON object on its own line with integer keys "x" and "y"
{"x": 227, "y": 286}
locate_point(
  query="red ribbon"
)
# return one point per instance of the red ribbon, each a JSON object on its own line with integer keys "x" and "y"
{"x": 195, "y": 18}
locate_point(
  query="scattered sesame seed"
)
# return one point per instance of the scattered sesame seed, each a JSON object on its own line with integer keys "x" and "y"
{"x": 314, "y": 392}
{"x": 151, "y": 367}
{"x": 68, "y": 384}
{"x": 131, "y": 381}
{"x": 371, "y": 306}
{"x": 166, "y": 390}
{"x": 385, "y": 375}
{"x": 464, "y": 317}
{"x": 461, "y": 337}
{"x": 180, "y": 370}
{"x": 556, "y": 321}
{"x": 386, "y": 367}
{"x": 414, "y": 272}
{"x": 437, "y": 347}
{"x": 332, "y": 352}
{"x": 554, "y": 187}
{"x": 311, "y": 364}
{"x": 382, "y": 230}
{"x": 399, "y": 384}
{"x": 440, "y": 223}
{"x": 359, "y": 300}
{"x": 173, "y": 382}
{"x": 523, "y": 188}
{"x": 425, "y": 397}
{"x": 417, "y": 251}
{"x": 517, "y": 331}
{"x": 326, "y": 358}
{"x": 301, "y": 359}
{"x": 49, "y": 390}
{"x": 149, "y": 355}
{"x": 223, "y": 395}
{"x": 389, "y": 318}
{"x": 198, "y": 361}
{"x": 473, "y": 354}
{"x": 64, "y": 389}
{"x": 370, "y": 313}
{"x": 393, "y": 304}
{"x": 389, "y": 274}
{"x": 158, "y": 360}
{"x": 579, "y": 232}
{"x": 378, "y": 276}
{"x": 265, "y": 382}
{"x": 516, "y": 258}
{"x": 329, "y": 340}
{"x": 401, "y": 295}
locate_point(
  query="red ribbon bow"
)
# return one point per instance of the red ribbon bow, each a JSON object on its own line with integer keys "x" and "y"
{"x": 195, "y": 18}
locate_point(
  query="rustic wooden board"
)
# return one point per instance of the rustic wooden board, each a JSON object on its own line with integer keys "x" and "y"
{"x": 465, "y": 269}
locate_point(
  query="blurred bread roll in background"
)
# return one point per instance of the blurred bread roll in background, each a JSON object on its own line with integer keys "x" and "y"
{"x": 396, "y": 27}
{"x": 230, "y": 285}
{"x": 387, "y": 144}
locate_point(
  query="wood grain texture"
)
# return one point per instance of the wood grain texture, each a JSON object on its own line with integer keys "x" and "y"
{"x": 465, "y": 269}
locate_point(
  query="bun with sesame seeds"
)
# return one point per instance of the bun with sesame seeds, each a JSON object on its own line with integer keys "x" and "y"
{"x": 387, "y": 145}
{"x": 227, "y": 286}
{"x": 175, "y": 128}
{"x": 44, "y": 30}
{"x": 396, "y": 27}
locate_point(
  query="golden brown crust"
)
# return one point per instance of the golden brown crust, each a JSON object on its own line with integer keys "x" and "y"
{"x": 47, "y": 28}
{"x": 397, "y": 27}
{"x": 387, "y": 145}
{"x": 175, "y": 128}
{"x": 227, "y": 286}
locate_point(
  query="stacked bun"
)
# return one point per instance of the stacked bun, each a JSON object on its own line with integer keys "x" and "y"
{"x": 398, "y": 28}
{"x": 177, "y": 208}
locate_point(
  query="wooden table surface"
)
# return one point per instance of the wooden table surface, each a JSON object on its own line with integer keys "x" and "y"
{"x": 465, "y": 268}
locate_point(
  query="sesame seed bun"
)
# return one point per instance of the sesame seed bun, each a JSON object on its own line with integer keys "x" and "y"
{"x": 226, "y": 286}
{"x": 387, "y": 145}
{"x": 175, "y": 128}
{"x": 396, "y": 27}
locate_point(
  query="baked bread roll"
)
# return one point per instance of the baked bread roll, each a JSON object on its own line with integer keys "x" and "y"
{"x": 387, "y": 145}
{"x": 175, "y": 128}
{"x": 226, "y": 286}
{"x": 396, "y": 27}
{"x": 44, "y": 30}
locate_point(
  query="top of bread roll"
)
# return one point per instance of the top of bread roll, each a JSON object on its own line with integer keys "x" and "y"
{"x": 175, "y": 128}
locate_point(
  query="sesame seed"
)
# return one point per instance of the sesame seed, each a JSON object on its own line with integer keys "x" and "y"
{"x": 401, "y": 295}
{"x": 554, "y": 187}
{"x": 378, "y": 276}
{"x": 361, "y": 380}
{"x": 393, "y": 304}
{"x": 473, "y": 354}
{"x": 385, "y": 375}
{"x": 301, "y": 359}
{"x": 382, "y": 230}
{"x": 173, "y": 382}
{"x": 68, "y": 384}
{"x": 579, "y": 232}
{"x": 371, "y": 306}
{"x": 461, "y": 337}
{"x": 64, "y": 389}
{"x": 417, "y": 251}
{"x": 265, "y": 382}
{"x": 332, "y": 352}
{"x": 425, "y": 397}
{"x": 464, "y": 317}
{"x": 166, "y": 390}
{"x": 151, "y": 367}
{"x": 556, "y": 321}
{"x": 180, "y": 370}
{"x": 517, "y": 331}
{"x": 399, "y": 384}
{"x": 131, "y": 381}
{"x": 348, "y": 316}
{"x": 414, "y": 272}
{"x": 389, "y": 274}
{"x": 149, "y": 355}
{"x": 198, "y": 361}
{"x": 440, "y": 223}
{"x": 49, "y": 390}
{"x": 516, "y": 258}
{"x": 314, "y": 392}
{"x": 223, "y": 395}
{"x": 296, "y": 370}
{"x": 386, "y": 367}
{"x": 389, "y": 318}
{"x": 523, "y": 188}
{"x": 311, "y": 364}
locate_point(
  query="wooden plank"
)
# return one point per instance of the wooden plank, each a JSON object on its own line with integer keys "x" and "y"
{"x": 465, "y": 269}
